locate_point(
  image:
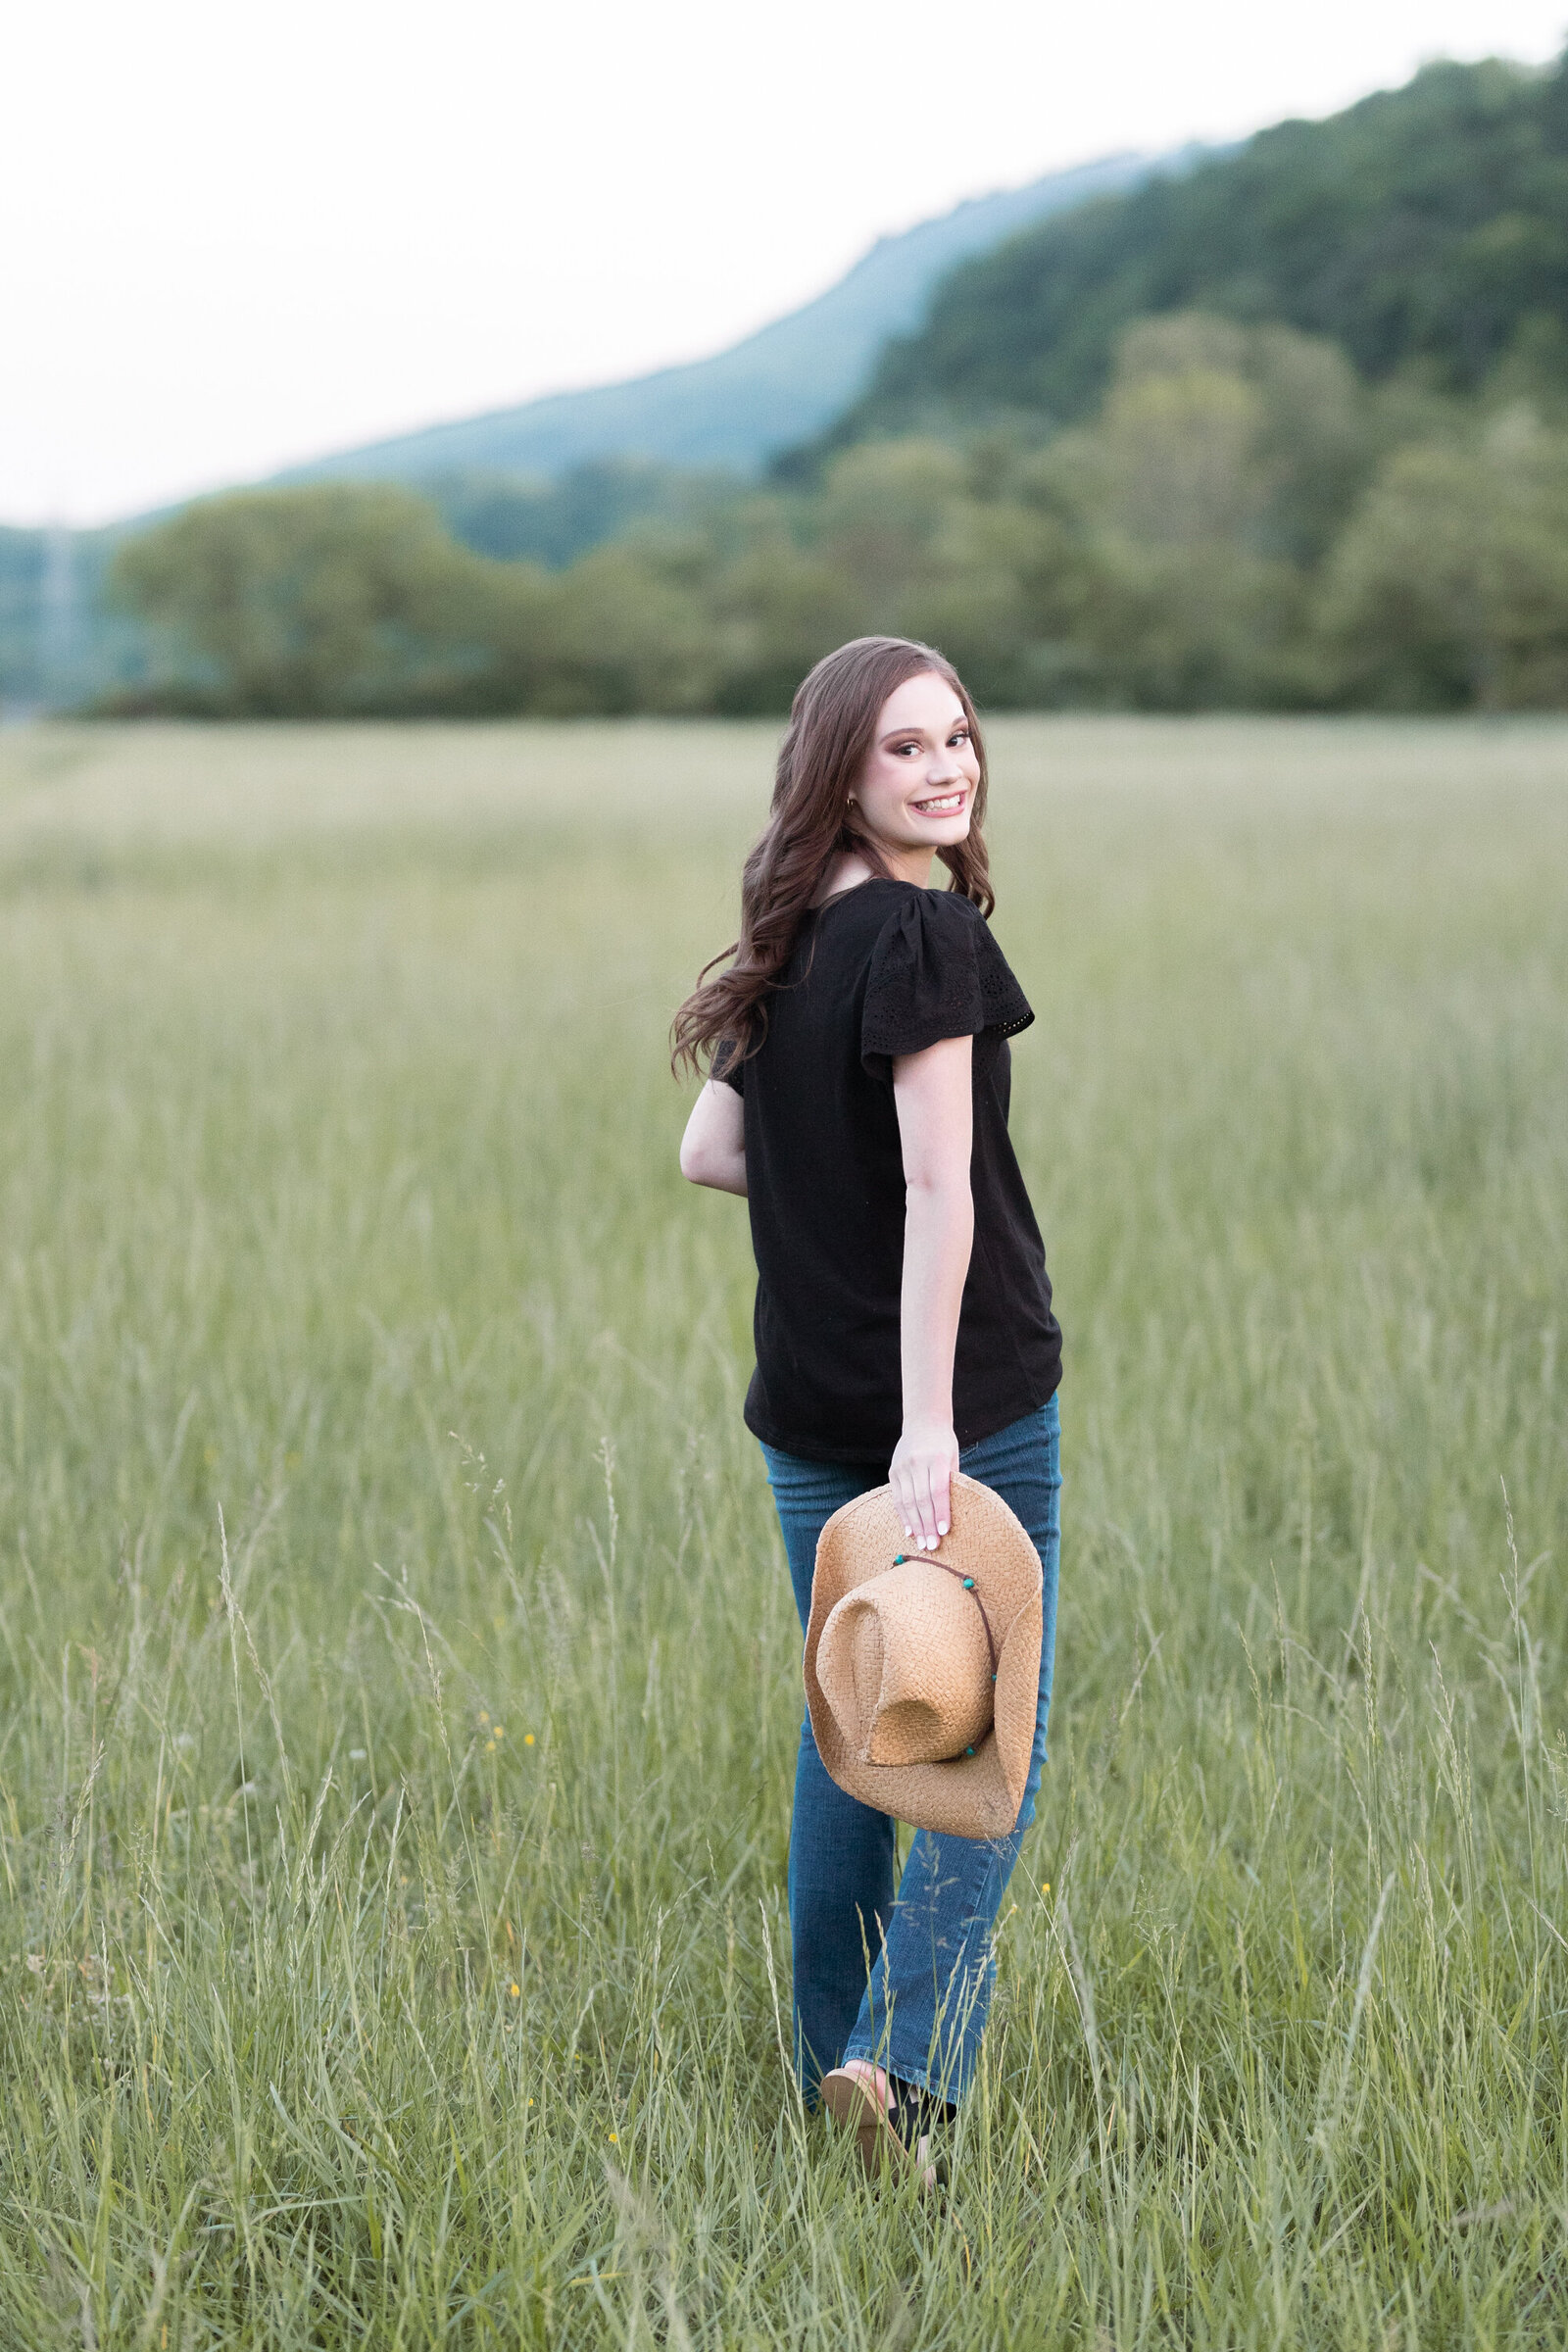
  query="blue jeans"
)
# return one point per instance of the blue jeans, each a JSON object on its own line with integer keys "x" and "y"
{"x": 904, "y": 1978}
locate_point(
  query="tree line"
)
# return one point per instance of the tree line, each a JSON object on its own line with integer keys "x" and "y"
{"x": 1244, "y": 524}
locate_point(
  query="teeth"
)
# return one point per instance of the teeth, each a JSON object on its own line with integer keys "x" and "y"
{"x": 953, "y": 800}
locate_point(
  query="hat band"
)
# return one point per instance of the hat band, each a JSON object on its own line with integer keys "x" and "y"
{"x": 900, "y": 1560}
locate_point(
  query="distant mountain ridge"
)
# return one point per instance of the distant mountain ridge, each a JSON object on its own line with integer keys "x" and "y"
{"x": 779, "y": 386}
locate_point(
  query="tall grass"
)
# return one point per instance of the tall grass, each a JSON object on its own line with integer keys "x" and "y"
{"x": 398, "y": 1677}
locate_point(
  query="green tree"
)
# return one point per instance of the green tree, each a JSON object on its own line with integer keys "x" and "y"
{"x": 1222, "y": 454}
{"x": 777, "y": 607}
{"x": 1001, "y": 595}
{"x": 620, "y": 635}
{"x": 320, "y": 602}
{"x": 1450, "y": 584}
{"x": 883, "y": 512}
{"x": 937, "y": 543}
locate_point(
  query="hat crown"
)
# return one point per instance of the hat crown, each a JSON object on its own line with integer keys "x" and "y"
{"x": 904, "y": 1665}
{"x": 908, "y": 1706}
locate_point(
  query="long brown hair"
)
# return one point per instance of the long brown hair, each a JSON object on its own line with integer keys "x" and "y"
{"x": 831, "y": 730}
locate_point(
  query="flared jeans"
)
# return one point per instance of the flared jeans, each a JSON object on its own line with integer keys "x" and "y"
{"x": 904, "y": 1975}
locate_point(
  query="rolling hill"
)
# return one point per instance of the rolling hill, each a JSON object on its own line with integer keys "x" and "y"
{"x": 734, "y": 411}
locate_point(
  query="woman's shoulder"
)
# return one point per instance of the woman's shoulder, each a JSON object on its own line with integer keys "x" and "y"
{"x": 949, "y": 912}
{"x": 886, "y": 901}
{"x": 936, "y": 921}
{"x": 850, "y": 924}
{"x": 863, "y": 935}
{"x": 935, "y": 972}
{"x": 903, "y": 926}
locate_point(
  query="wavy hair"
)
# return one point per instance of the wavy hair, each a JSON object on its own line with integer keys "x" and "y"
{"x": 811, "y": 822}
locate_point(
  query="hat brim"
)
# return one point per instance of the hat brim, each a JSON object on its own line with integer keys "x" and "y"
{"x": 973, "y": 1796}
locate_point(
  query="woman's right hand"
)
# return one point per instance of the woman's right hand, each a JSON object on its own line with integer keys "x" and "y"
{"x": 920, "y": 1475}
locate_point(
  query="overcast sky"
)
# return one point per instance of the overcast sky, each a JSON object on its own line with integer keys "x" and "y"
{"x": 234, "y": 235}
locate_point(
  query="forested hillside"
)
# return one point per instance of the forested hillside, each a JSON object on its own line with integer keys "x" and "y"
{"x": 1424, "y": 230}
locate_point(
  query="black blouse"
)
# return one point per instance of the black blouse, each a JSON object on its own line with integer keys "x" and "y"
{"x": 883, "y": 969}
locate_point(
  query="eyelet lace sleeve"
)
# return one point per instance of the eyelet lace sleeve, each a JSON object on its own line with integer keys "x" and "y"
{"x": 936, "y": 972}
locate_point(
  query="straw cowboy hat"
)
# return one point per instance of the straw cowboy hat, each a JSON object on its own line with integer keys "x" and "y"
{"x": 922, "y": 1669}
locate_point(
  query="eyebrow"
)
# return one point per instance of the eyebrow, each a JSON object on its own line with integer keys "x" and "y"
{"x": 901, "y": 734}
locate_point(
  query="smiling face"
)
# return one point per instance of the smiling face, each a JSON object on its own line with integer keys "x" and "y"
{"x": 915, "y": 792}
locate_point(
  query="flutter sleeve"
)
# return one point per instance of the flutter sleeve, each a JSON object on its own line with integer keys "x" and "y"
{"x": 936, "y": 972}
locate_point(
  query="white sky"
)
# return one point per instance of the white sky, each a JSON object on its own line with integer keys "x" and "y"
{"x": 234, "y": 235}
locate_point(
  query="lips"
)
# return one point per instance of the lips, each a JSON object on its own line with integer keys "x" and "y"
{"x": 948, "y": 804}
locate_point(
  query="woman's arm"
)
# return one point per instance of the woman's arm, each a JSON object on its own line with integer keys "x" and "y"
{"x": 935, "y": 1120}
{"x": 713, "y": 1149}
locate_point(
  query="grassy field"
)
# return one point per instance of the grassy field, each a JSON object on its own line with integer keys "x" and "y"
{"x": 398, "y": 1677}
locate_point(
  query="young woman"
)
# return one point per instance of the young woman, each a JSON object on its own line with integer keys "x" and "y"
{"x": 857, "y": 1096}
